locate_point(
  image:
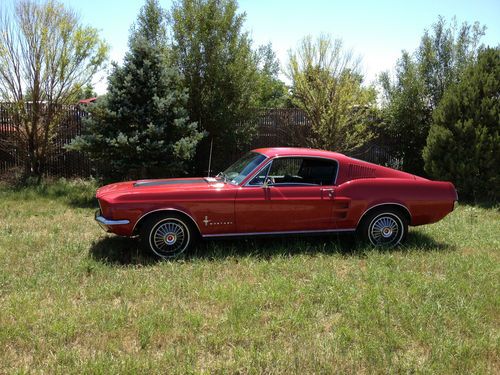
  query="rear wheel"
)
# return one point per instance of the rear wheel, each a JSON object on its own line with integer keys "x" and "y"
{"x": 384, "y": 227}
{"x": 167, "y": 236}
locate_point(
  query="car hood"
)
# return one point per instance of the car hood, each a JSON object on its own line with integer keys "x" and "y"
{"x": 163, "y": 185}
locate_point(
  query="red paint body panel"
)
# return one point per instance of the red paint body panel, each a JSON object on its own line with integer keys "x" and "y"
{"x": 281, "y": 209}
{"x": 219, "y": 208}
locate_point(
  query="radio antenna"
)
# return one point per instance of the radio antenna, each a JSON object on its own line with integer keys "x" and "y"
{"x": 210, "y": 156}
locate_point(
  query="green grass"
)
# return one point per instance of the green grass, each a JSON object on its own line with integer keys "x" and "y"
{"x": 74, "y": 299}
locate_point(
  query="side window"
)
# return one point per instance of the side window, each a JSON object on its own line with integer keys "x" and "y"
{"x": 303, "y": 171}
{"x": 286, "y": 170}
{"x": 318, "y": 171}
{"x": 298, "y": 171}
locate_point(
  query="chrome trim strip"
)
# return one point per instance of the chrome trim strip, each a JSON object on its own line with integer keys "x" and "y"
{"x": 270, "y": 160}
{"x": 384, "y": 204}
{"x": 166, "y": 209}
{"x": 294, "y": 183}
{"x": 277, "y": 233}
{"x": 103, "y": 220}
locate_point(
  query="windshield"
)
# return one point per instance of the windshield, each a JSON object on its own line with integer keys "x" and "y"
{"x": 242, "y": 168}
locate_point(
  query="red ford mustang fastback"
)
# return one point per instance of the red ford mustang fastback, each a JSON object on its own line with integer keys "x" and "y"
{"x": 275, "y": 191}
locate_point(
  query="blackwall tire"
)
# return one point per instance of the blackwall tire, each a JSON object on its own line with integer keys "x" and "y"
{"x": 167, "y": 236}
{"x": 384, "y": 228}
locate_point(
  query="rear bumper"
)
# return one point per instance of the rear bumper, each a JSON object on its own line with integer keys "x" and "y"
{"x": 107, "y": 223}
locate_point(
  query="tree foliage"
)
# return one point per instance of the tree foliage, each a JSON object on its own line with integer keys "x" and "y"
{"x": 444, "y": 52}
{"x": 463, "y": 145}
{"x": 420, "y": 80}
{"x": 46, "y": 57}
{"x": 220, "y": 72}
{"x": 406, "y": 113}
{"x": 327, "y": 85}
{"x": 141, "y": 127}
{"x": 86, "y": 92}
{"x": 271, "y": 91}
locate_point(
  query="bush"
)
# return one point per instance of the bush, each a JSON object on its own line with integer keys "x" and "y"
{"x": 464, "y": 141}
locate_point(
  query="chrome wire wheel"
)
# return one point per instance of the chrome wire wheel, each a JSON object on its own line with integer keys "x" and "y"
{"x": 385, "y": 230}
{"x": 169, "y": 238}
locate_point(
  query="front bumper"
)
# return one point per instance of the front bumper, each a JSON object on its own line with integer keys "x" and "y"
{"x": 106, "y": 223}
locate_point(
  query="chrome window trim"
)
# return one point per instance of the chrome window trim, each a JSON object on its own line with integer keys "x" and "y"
{"x": 293, "y": 183}
{"x": 270, "y": 160}
{"x": 166, "y": 209}
{"x": 383, "y": 204}
{"x": 279, "y": 232}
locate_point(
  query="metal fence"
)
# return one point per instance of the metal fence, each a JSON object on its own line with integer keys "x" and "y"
{"x": 275, "y": 127}
{"x": 60, "y": 162}
{"x": 290, "y": 127}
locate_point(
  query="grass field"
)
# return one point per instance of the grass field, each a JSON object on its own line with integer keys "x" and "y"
{"x": 74, "y": 299}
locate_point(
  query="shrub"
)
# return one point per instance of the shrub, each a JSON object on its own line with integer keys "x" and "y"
{"x": 464, "y": 140}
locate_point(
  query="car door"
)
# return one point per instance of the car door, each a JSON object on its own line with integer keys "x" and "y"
{"x": 297, "y": 196}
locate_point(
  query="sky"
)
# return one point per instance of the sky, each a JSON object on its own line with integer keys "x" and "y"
{"x": 377, "y": 31}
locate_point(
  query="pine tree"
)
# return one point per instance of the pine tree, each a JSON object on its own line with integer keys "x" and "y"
{"x": 141, "y": 127}
{"x": 463, "y": 145}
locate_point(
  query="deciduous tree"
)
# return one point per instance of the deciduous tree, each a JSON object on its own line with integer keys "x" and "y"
{"x": 419, "y": 83}
{"x": 46, "y": 57}
{"x": 272, "y": 91}
{"x": 327, "y": 85}
{"x": 220, "y": 72}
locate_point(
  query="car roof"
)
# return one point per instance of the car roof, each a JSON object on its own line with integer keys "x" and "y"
{"x": 298, "y": 151}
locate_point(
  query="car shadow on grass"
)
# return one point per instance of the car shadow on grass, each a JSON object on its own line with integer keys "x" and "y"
{"x": 422, "y": 241}
{"x": 121, "y": 251}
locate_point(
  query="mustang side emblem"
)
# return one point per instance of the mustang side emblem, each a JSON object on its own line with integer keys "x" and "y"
{"x": 207, "y": 221}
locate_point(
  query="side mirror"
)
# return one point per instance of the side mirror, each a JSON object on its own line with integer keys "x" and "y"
{"x": 268, "y": 182}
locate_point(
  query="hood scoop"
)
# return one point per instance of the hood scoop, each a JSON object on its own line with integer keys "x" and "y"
{"x": 168, "y": 182}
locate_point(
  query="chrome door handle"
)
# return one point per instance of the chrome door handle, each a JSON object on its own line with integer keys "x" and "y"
{"x": 330, "y": 192}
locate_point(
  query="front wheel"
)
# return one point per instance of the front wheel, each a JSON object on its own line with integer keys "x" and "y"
{"x": 167, "y": 236}
{"x": 384, "y": 227}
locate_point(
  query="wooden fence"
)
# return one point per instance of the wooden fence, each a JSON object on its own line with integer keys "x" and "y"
{"x": 275, "y": 127}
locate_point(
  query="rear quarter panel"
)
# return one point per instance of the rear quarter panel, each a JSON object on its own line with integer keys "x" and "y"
{"x": 427, "y": 201}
